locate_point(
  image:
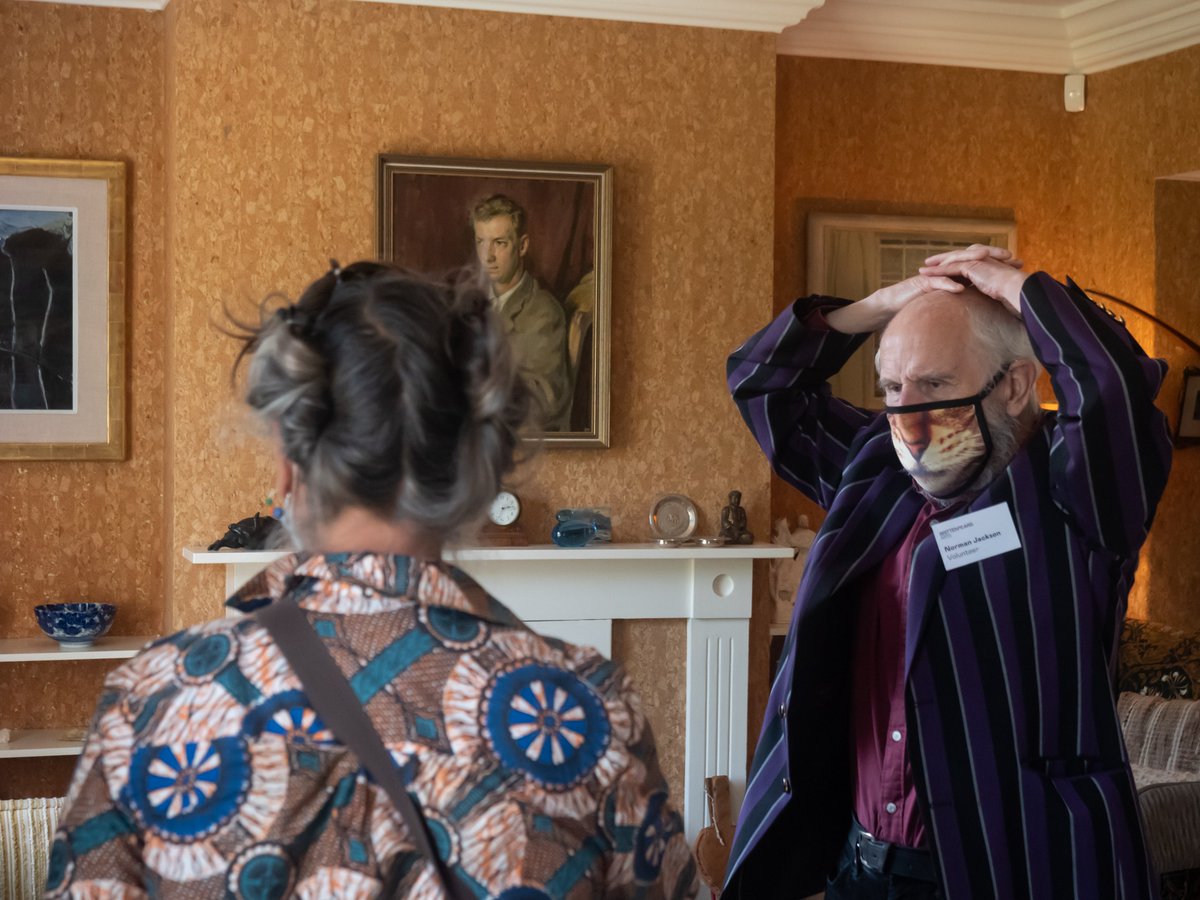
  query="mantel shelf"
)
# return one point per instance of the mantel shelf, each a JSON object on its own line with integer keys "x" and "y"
{"x": 43, "y": 649}
{"x": 41, "y": 742}
{"x": 199, "y": 555}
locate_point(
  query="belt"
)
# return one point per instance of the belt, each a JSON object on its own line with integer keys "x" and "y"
{"x": 890, "y": 859}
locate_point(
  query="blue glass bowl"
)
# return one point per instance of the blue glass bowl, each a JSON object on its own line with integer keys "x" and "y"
{"x": 75, "y": 625}
{"x": 580, "y": 527}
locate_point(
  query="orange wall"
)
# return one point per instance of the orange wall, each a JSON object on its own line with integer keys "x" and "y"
{"x": 86, "y": 83}
{"x": 1145, "y": 127}
{"x": 253, "y": 162}
{"x": 274, "y": 152}
{"x": 928, "y": 140}
{"x": 275, "y": 156}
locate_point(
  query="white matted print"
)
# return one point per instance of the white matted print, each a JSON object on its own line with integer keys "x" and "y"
{"x": 62, "y": 309}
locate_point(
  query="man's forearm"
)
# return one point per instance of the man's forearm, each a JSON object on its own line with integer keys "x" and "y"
{"x": 858, "y": 318}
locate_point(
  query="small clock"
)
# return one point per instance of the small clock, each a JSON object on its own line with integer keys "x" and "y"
{"x": 505, "y": 509}
{"x": 503, "y": 525}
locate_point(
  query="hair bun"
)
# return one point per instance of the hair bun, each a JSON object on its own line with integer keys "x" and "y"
{"x": 402, "y": 396}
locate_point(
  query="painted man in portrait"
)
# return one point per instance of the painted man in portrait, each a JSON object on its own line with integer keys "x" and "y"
{"x": 532, "y": 316}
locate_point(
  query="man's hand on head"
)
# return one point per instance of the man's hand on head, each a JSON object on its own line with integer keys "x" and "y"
{"x": 872, "y": 313}
{"x": 994, "y": 271}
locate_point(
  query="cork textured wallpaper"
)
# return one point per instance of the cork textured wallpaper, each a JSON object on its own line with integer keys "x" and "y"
{"x": 1172, "y": 558}
{"x": 87, "y": 530}
{"x": 274, "y": 154}
{"x": 251, "y": 130}
{"x": 857, "y": 136}
{"x": 275, "y": 167}
{"x": 1140, "y": 237}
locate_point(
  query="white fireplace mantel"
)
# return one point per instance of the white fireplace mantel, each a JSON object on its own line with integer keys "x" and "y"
{"x": 577, "y": 595}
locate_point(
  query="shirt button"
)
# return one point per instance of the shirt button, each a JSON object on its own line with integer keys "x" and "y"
{"x": 787, "y": 786}
{"x": 891, "y": 807}
{"x": 783, "y": 710}
{"x": 896, "y": 736}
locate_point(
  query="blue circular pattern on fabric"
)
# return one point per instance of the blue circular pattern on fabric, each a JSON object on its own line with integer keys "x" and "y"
{"x": 523, "y": 893}
{"x": 546, "y": 722}
{"x": 453, "y": 624}
{"x": 288, "y": 715}
{"x": 455, "y": 629}
{"x": 185, "y": 792}
{"x": 207, "y": 655}
{"x": 650, "y": 845}
{"x": 266, "y": 876}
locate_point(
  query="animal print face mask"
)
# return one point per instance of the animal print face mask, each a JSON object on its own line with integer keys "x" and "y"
{"x": 943, "y": 445}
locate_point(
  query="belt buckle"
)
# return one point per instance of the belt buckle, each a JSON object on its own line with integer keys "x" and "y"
{"x": 871, "y": 853}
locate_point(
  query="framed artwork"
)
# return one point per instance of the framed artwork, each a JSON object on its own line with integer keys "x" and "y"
{"x": 62, "y": 329}
{"x": 539, "y": 236}
{"x": 1189, "y": 413}
{"x": 852, "y": 255}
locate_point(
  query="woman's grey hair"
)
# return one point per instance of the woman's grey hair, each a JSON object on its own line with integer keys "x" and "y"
{"x": 390, "y": 392}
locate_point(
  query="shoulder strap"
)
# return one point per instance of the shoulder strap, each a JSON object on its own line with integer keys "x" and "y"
{"x": 335, "y": 702}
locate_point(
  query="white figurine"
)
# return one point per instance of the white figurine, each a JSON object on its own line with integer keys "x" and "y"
{"x": 785, "y": 574}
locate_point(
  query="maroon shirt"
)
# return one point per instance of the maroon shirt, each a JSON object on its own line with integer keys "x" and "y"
{"x": 885, "y": 799}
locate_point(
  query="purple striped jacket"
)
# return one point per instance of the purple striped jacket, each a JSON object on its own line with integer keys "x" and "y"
{"x": 1013, "y": 735}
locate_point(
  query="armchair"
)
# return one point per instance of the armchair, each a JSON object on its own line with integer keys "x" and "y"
{"x": 1158, "y": 679}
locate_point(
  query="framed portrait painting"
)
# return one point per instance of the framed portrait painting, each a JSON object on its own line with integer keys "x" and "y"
{"x": 853, "y": 255}
{"x": 538, "y": 236}
{"x": 62, "y": 316}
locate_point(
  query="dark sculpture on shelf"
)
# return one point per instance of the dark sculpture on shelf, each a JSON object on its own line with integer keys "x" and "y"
{"x": 733, "y": 521}
{"x": 256, "y": 533}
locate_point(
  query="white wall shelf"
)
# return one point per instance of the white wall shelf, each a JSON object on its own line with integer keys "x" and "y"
{"x": 54, "y": 741}
{"x": 576, "y": 595}
{"x": 43, "y": 649}
{"x": 41, "y": 742}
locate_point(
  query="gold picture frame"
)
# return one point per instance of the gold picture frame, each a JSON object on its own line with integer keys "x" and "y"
{"x": 850, "y": 255}
{"x": 427, "y": 222}
{"x": 62, "y": 333}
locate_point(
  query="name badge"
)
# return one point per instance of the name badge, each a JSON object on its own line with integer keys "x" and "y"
{"x": 976, "y": 536}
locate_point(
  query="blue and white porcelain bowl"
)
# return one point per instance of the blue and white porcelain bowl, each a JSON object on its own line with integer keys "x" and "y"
{"x": 75, "y": 625}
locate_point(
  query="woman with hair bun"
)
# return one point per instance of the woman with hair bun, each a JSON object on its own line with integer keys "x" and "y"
{"x": 396, "y": 410}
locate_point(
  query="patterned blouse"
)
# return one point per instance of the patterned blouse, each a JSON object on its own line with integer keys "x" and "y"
{"x": 206, "y": 774}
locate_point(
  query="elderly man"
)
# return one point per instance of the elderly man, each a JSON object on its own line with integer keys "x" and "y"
{"x": 942, "y": 722}
{"x": 532, "y": 317}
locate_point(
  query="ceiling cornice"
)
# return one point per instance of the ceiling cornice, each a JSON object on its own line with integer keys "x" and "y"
{"x": 1087, "y": 36}
{"x": 150, "y": 5}
{"x": 1106, "y": 35}
{"x": 742, "y": 15}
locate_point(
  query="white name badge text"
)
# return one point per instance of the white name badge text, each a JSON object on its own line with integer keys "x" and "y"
{"x": 976, "y": 536}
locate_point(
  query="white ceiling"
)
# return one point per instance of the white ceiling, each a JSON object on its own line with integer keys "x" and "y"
{"x": 1057, "y": 36}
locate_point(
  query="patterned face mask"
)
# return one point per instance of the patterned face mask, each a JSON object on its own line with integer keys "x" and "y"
{"x": 943, "y": 445}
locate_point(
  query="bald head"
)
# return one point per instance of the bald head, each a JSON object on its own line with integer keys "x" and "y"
{"x": 943, "y": 342}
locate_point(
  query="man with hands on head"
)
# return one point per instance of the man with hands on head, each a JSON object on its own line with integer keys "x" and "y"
{"x": 942, "y": 721}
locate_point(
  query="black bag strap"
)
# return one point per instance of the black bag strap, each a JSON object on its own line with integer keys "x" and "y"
{"x": 335, "y": 702}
